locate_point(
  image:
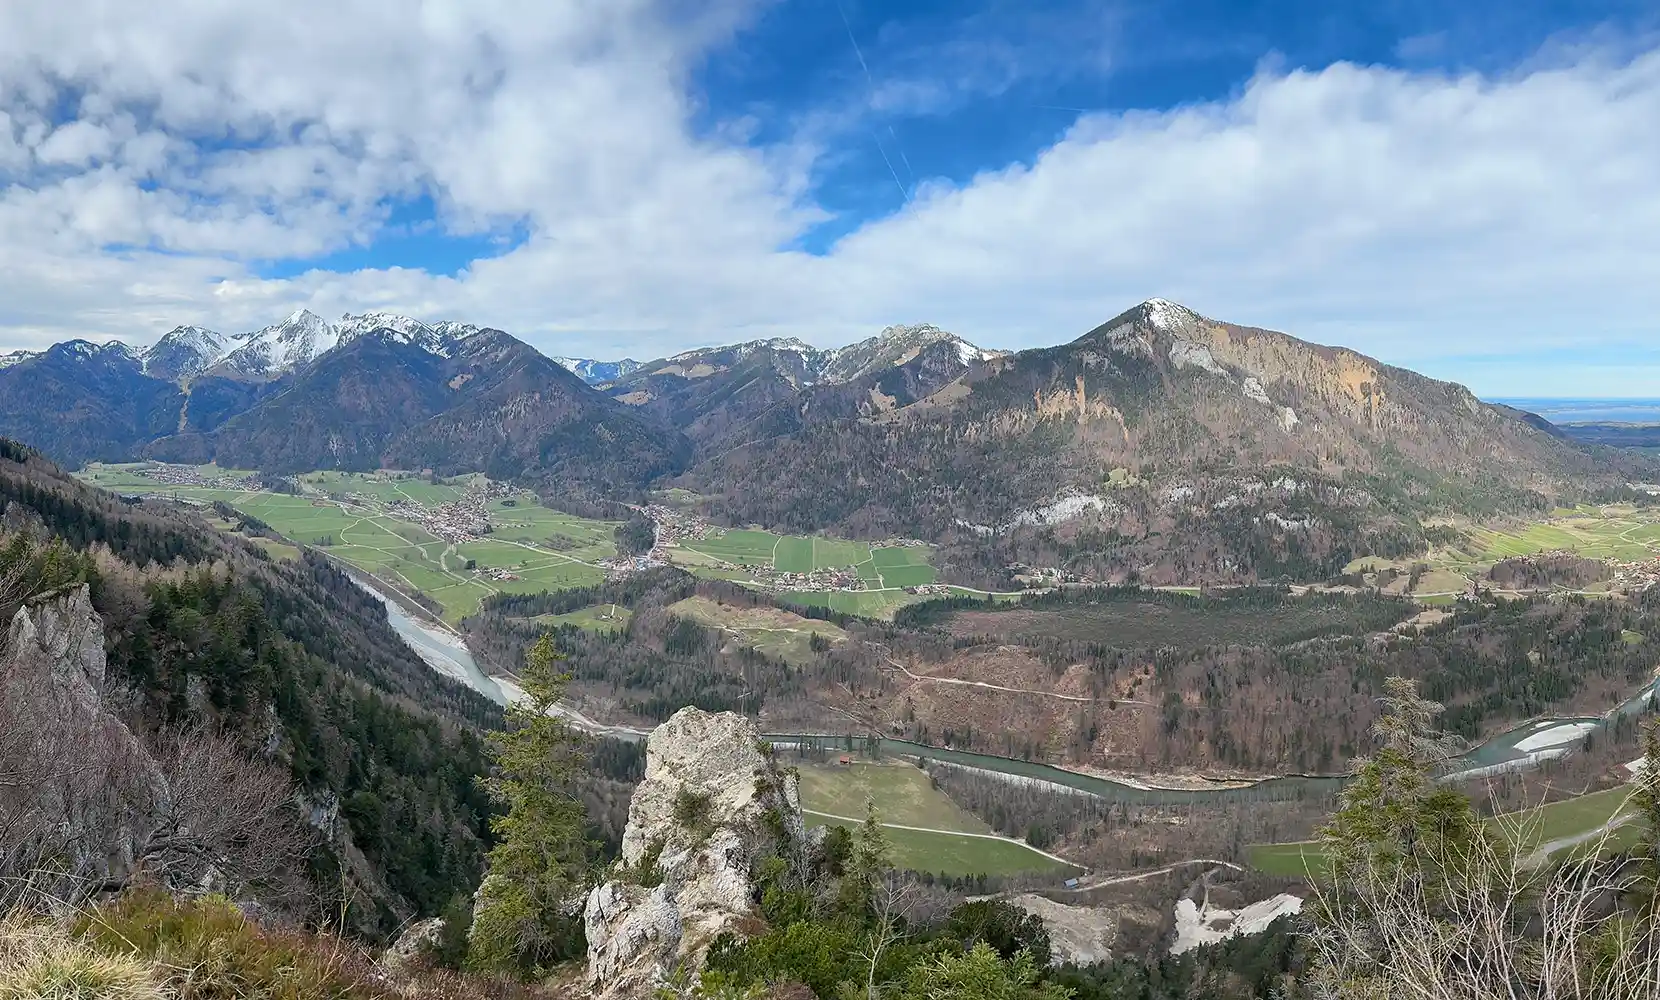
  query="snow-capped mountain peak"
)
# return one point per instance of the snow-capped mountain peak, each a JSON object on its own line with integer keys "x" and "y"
{"x": 1166, "y": 315}
{"x": 184, "y": 351}
{"x": 596, "y": 372}
{"x": 16, "y": 357}
{"x": 437, "y": 338}
{"x": 283, "y": 346}
{"x": 896, "y": 345}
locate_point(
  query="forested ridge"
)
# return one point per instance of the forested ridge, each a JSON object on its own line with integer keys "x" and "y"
{"x": 1144, "y": 681}
{"x": 200, "y": 628}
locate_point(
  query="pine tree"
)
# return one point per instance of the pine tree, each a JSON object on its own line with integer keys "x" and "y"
{"x": 1393, "y": 817}
{"x": 527, "y": 914}
{"x": 868, "y": 862}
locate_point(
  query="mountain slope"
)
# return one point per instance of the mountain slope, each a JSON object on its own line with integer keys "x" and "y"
{"x": 83, "y": 402}
{"x": 518, "y": 414}
{"x": 337, "y": 414}
{"x": 184, "y": 352}
{"x": 1263, "y": 453}
{"x": 722, "y": 396}
{"x": 409, "y": 399}
{"x": 291, "y": 660}
{"x": 598, "y": 372}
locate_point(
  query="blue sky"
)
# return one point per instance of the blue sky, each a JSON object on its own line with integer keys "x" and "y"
{"x": 1470, "y": 189}
{"x": 954, "y": 89}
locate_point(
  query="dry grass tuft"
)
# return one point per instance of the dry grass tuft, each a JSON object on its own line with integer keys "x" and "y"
{"x": 149, "y": 946}
{"x": 41, "y": 962}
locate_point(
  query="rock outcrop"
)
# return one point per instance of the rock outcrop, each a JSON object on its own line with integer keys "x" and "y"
{"x": 79, "y": 778}
{"x": 712, "y": 807}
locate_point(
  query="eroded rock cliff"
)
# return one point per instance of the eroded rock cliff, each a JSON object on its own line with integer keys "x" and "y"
{"x": 712, "y": 807}
{"x": 77, "y": 779}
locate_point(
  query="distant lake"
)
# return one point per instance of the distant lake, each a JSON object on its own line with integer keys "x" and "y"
{"x": 1571, "y": 411}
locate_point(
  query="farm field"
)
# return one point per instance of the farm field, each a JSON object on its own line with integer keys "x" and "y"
{"x": 544, "y": 549}
{"x": 1130, "y": 620}
{"x": 888, "y": 567}
{"x": 905, "y": 798}
{"x": 902, "y": 793}
{"x": 1558, "y": 820}
{"x": 954, "y": 854}
{"x": 775, "y": 632}
{"x": 1619, "y": 532}
{"x": 595, "y": 618}
{"x": 864, "y": 603}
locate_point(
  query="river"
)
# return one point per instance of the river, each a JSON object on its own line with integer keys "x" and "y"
{"x": 1521, "y": 747}
{"x": 442, "y": 649}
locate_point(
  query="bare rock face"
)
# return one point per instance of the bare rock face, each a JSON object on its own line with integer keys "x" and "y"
{"x": 81, "y": 778}
{"x": 712, "y": 807}
{"x": 415, "y": 945}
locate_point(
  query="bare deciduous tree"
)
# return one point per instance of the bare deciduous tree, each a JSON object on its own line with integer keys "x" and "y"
{"x": 226, "y": 821}
{"x": 1508, "y": 926}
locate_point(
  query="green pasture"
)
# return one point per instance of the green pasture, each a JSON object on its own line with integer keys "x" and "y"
{"x": 893, "y": 566}
{"x": 546, "y": 549}
{"x": 594, "y": 618}
{"x": 902, "y": 794}
{"x": 1527, "y": 829}
{"x": 955, "y": 854}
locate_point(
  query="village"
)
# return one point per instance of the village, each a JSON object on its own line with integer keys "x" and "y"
{"x": 189, "y": 475}
{"x": 466, "y": 519}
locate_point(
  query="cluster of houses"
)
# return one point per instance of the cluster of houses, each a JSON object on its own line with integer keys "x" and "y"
{"x": 189, "y": 475}
{"x": 623, "y": 565}
{"x": 837, "y": 578}
{"x": 675, "y": 526}
{"x": 463, "y": 520}
{"x": 1632, "y": 576}
{"x": 1042, "y": 576}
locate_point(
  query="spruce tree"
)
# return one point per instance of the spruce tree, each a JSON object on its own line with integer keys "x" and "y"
{"x": 528, "y": 912}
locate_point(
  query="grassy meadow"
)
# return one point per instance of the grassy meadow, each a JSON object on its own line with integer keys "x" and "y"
{"x": 904, "y": 797}
{"x": 545, "y": 549}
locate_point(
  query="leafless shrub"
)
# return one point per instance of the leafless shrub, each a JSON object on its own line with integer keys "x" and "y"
{"x": 1503, "y": 924}
{"x": 226, "y": 822}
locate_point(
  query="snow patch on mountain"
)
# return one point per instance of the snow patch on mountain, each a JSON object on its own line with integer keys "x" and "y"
{"x": 1066, "y": 508}
{"x": 596, "y": 372}
{"x": 283, "y": 347}
{"x": 16, "y": 358}
{"x": 1187, "y": 354}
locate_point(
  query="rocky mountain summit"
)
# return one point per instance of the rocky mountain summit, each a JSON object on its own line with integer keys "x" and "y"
{"x": 712, "y": 806}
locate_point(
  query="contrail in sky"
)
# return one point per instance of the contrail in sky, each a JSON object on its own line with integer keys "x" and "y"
{"x": 870, "y": 81}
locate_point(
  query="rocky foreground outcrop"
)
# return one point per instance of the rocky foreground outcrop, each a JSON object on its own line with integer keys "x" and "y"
{"x": 713, "y": 806}
{"x": 77, "y": 778}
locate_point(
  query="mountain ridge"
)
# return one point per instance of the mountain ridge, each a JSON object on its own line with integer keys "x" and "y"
{"x": 1265, "y": 453}
{"x": 1262, "y": 453}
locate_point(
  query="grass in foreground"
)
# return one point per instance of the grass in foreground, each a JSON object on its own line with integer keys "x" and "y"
{"x": 149, "y": 946}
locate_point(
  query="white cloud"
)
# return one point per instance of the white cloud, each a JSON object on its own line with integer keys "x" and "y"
{"x": 1422, "y": 218}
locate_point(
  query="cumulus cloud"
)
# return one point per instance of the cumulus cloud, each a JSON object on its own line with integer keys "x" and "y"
{"x": 148, "y": 162}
